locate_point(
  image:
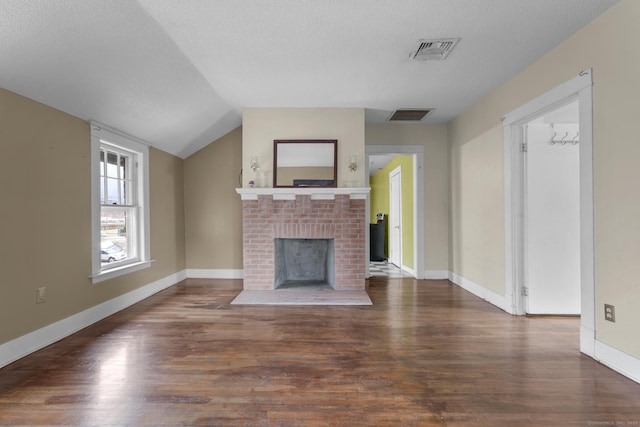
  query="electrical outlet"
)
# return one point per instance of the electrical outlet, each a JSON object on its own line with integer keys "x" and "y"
{"x": 41, "y": 295}
{"x": 609, "y": 313}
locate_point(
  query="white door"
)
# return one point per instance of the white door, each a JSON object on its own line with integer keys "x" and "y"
{"x": 395, "y": 217}
{"x": 552, "y": 213}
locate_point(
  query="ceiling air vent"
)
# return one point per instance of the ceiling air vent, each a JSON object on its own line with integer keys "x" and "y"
{"x": 433, "y": 50}
{"x": 409, "y": 115}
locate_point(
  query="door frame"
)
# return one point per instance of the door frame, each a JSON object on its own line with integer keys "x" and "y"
{"x": 397, "y": 172}
{"x": 580, "y": 88}
{"x": 417, "y": 151}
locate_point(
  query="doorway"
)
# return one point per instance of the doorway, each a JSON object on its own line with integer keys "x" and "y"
{"x": 417, "y": 153}
{"x": 578, "y": 89}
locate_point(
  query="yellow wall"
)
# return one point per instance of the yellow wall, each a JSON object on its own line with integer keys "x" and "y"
{"x": 379, "y": 199}
{"x": 433, "y": 139}
{"x": 379, "y": 183}
{"x": 45, "y": 218}
{"x": 213, "y": 209}
{"x": 608, "y": 45}
{"x": 262, "y": 125}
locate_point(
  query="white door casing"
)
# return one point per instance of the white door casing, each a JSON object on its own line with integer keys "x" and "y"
{"x": 579, "y": 87}
{"x": 395, "y": 216}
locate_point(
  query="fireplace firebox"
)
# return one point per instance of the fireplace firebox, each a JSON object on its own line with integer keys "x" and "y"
{"x": 303, "y": 262}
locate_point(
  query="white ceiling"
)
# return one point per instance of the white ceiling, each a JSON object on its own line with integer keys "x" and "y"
{"x": 378, "y": 161}
{"x": 178, "y": 73}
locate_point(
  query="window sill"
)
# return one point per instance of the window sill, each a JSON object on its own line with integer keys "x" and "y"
{"x": 120, "y": 271}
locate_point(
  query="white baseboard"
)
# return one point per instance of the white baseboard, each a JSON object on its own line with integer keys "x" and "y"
{"x": 480, "y": 291}
{"x": 406, "y": 269}
{"x": 617, "y": 360}
{"x": 587, "y": 341}
{"x": 436, "y": 275}
{"x": 195, "y": 273}
{"x": 34, "y": 341}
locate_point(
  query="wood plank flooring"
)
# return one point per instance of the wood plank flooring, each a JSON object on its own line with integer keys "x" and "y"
{"x": 426, "y": 353}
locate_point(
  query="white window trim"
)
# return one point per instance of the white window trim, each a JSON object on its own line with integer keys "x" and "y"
{"x": 119, "y": 139}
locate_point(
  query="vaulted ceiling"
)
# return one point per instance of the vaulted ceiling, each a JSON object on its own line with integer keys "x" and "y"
{"x": 178, "y": 73}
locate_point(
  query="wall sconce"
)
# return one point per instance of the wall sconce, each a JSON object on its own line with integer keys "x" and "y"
{"x": 254, "y": 164}
{"x": 353, "y": 163}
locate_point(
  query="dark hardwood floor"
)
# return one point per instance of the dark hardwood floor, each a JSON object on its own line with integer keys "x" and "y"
{"x": 426, "y": 353}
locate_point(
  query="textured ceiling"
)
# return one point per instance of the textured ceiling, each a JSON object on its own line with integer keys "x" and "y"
{"x": 178, "y": 73}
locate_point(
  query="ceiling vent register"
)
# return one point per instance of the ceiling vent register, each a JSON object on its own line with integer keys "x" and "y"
{"x": 409, "y": 115}
{"x": 433, "y": 50}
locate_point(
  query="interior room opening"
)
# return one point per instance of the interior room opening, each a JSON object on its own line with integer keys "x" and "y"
{"x": 398, "y": 212}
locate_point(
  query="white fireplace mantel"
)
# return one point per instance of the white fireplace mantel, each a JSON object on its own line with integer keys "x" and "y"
{"x": 317, "y": 193}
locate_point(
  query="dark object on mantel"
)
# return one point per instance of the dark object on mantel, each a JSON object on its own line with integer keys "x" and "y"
{"x": 376, "y": 241}
{"x": 313, "y": 183}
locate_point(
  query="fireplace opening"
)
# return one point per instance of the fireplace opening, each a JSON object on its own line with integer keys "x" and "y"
{"x": 304, "y": 262}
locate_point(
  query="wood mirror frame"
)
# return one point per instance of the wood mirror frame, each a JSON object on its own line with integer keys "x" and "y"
{"x": 305, "y": 163}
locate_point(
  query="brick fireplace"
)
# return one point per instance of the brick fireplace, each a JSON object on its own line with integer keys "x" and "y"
{"x": 332, "y": 214}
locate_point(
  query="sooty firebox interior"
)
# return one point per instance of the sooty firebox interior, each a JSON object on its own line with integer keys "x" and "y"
{"x": 304, "y": 262}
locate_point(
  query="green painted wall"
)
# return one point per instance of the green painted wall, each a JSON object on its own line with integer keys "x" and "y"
{"x": 379, "y": 184}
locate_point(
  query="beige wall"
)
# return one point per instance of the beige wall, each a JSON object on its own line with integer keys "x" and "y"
{"x": 213, "y": 209}
{"x": 46, "y": 211}
{"x": 166, "y": 197}
{"x": 436, "y": 173}
{"x": 262, "y": 125}
{"x": 608, "y": 45}
{"x": 477, "y": 210}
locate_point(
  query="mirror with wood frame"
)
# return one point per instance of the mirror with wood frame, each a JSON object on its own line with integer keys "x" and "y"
{"x": 305, "y": 163}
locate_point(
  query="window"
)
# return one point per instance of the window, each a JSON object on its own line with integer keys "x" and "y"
{"x": 120, "y": 216}
{"x": 118, "y": 206}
